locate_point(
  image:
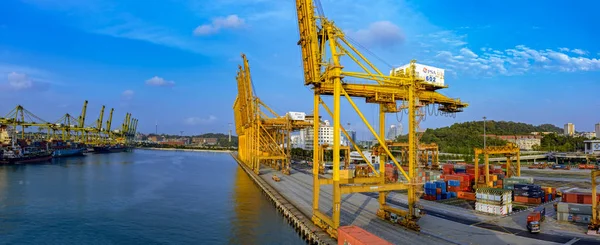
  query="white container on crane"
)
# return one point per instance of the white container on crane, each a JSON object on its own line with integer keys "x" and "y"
{"x": 430, "y": 74}
{"x": 297, "y": 116}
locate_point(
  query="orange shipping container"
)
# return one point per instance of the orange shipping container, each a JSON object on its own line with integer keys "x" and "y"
{"x": 356, "y": 236}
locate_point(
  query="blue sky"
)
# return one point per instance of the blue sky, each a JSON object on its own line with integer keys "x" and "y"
{"x": 174, "y": 61}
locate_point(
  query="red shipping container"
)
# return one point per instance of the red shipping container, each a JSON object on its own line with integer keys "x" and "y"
{"x": 466, "y": 195}
{"x": 357, "y": 236}
{"x": 578, "y": 197}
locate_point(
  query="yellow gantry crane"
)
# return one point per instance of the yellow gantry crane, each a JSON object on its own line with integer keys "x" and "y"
{"x": 322, "y": 45}
{"x": 20, "y": 116}
{"x": 595, "y": 222}
{"x": 72, "y": 128}
{"x": 509, "y": 150}
{"x": 263, "y": 135}
{"x": 427, "y": 152}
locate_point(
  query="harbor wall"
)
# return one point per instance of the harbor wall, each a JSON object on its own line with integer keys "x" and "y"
{"x": 303, "y": 224}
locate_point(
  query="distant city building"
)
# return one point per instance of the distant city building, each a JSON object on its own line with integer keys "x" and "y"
{"x": 592, "y": 147}
{"x": 325, "y": 135}
{"x": 569, "y": 129}
{"x": 204, "y": 141}
{"x": 173, "y": 142}
{"x": 524, "y": 142}
{"x": 394, "y": 132}
{"x": 598, "y": 130}
{"x": 296, "y": 141}
{"x": 352, "y": 134}
{"x": 589, "y": 135}
{"x": 153, "y": 139}
{"x": 541, "y": 133}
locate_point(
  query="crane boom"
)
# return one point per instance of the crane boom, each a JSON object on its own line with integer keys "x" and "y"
{"x": 308, "y": 42}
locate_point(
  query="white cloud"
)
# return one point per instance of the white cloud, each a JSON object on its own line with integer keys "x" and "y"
{"x": 19, "y": 81}
{"x": 198, "y": 121}
{"x": 563, "y": 49}
{"x": 127, "y": 94}
{"x": 517, "y": 60}
{"x": 446, "y": 38}
{"x": 468, "y": 53}
{"x": 380, "y": 33}
{"x": 159, "y": 82}
{"x": 579, "y": 51}
{"x": 229, "y": 22}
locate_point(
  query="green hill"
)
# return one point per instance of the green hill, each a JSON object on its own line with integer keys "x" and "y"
{"x": 463, "y": 137}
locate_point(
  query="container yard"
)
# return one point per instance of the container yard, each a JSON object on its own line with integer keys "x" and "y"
{"x": 26, "y": 138}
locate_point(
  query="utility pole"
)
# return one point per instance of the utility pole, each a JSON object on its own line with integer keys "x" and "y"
{"x": 484, "y": 137}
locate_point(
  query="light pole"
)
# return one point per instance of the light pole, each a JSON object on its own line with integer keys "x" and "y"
{"x": 484, "y": 138}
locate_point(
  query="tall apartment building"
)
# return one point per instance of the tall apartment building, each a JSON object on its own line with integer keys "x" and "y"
{"x": 569, "y": 129}
{"x": 325, "y": 136}
{"x": 597, "y": 130}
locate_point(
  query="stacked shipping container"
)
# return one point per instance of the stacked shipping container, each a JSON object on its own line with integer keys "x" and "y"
{"x": 494, "y": 201}
{"x": 574, "y": 212}
{"x": 575, "y": 206}
{"x": 528, "y": 193}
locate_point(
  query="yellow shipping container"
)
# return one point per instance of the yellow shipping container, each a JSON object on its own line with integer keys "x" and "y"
{"x": 346, "y": 174}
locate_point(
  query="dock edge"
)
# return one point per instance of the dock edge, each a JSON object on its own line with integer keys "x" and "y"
{"x": 303, "y": 225}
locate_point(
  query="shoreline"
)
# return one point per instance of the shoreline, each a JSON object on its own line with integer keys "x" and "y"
{"x": 193, "y": 150}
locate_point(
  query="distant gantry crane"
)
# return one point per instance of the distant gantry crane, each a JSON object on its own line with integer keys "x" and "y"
{"x": 509, "y": 150}
{"x": 263, "y": 135}
{"x": 69, "y": 127}
{"x": 323, "y": 45}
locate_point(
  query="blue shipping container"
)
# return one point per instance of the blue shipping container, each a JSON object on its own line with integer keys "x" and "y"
{"x": 453, "y": 183}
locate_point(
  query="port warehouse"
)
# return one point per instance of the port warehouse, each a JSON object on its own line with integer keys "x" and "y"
{"x": 481, "y": 190}
{"x": 26, "y": 137}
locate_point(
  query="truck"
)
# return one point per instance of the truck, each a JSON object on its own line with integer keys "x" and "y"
{"x": 535, "y": 218}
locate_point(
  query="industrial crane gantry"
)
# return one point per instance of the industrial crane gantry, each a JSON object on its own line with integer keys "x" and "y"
{"x": 595, "y": 222}
{"x": 509, "y": 150}
{"x": 72, "y": 128}
{"x": 319, "y": 37}
{"x": 263, "y": 135}
{"x": 425, "y": 153}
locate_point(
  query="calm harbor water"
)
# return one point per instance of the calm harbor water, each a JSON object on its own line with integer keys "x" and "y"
{"x": 142, "y": 197}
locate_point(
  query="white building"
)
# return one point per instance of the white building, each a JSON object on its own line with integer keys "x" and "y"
{"x": 598, "y": 130}
{"x": 592, "y": 147}
{"x": 569, "y": 129}
{"x": 589, "y": 135}
{"x": 325, "y": 136}
{"x": 296, "y": 141}
{"x": 394, "y": 132}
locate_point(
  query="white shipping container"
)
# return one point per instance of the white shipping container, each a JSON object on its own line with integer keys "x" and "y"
{"x": 297, "y": 116}
{"x": 430, "y": 74}
{"x": 493, "y": 209}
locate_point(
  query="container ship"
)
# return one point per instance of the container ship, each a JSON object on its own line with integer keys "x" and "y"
{"x": 111, "y": 148}
{"x": 18, "y": 155}
{"x": 66, "y": 149}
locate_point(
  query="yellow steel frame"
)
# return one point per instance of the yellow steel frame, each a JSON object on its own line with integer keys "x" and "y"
{"x": 426, "y": 151}
{"x": 595, "y": 222}
{"x": 319, "y": 38}
{"x": 263, "y": 135}
{"x": 324, "y": 147}
{"x": 509, "y": 150}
